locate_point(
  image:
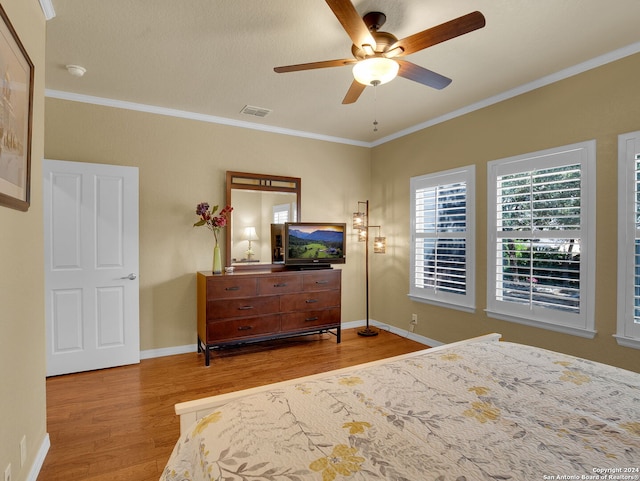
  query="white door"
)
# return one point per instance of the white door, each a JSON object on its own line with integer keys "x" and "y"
{"x": 91, "y": 266}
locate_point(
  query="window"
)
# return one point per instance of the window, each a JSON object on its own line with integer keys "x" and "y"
{"x": 281, "y": 213}
{"x": 628, "y": 331}
{"x": 443, "y": 238}
{"x": 541, "y": 246}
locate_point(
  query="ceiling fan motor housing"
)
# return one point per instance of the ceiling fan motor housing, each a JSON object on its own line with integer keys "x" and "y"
{"x": 374, "y": 20}
{"x": 384, "y": 40}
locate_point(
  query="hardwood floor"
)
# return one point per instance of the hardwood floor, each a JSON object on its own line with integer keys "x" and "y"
{"x": 119, "y": 425}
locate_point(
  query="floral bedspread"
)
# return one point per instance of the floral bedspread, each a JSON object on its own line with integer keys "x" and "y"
{"x": 484, "y": 411}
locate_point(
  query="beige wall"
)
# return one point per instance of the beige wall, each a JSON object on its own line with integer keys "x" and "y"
{"x": 183, "y": 162}
{"x": 22, "y": 348}
{"x": 599, "y": 104}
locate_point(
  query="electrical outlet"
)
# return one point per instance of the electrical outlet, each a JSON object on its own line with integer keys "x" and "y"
{"x": 23, "y": 450}
{"x": 414, "y": 319}
{"x": 7, "y": 473}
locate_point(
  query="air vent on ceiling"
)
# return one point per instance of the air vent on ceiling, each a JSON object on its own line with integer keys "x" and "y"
{"x": 255, "y": 111}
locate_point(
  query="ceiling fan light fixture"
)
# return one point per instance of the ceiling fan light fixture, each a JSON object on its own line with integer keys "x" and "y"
{"x": 376, "y": 70}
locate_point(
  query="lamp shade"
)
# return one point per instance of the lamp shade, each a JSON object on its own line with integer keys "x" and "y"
{"x": 379, "y": 245}
{"x": 378, "y": 70}
{"x": 358, "y": 220}
{"x": 250, "y": 234}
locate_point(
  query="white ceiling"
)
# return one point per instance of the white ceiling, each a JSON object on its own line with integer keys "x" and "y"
{"x": 213, "y": 57}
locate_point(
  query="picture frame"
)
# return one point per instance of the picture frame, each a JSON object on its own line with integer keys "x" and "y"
{"x": 16, "y": 118}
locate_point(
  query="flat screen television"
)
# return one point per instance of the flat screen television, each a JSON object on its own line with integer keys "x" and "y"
{"x": 314, "y": 243}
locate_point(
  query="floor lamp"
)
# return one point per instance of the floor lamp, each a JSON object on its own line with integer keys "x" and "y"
{"x": 361, "y": 225}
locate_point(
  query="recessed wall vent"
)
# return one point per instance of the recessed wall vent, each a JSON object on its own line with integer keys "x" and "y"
{"x": 255, "y": 111}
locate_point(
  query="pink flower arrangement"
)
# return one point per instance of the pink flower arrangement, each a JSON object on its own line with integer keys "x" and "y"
{"x": 212, "y": 221}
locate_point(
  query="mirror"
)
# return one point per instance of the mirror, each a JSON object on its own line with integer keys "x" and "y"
{"x": 258, "y": 201}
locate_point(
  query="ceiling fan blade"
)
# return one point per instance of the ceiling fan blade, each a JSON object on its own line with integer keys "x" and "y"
{"x": 352, "y": 22}
{"x": 440, "y": 33}
{"x": 421, "y": 75}
{"x": 354, "y": 92}
{"x": 313, "y": 65}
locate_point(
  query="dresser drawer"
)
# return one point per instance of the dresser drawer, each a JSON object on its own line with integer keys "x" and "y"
{"x": 253, "y": 306}
{"x": 229, "y": 287}
{"x": 305, "y": 301}
{"x": 319, "y": 280}
{"x": 295, "y": 321}
{"x": 236, "y": 329}
{"x": 278, "y": 285}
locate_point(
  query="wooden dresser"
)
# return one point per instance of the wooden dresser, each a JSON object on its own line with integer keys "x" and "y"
{"x": 250, "y": 306}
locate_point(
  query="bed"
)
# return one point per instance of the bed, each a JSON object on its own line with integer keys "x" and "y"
{"x": 473, "y": 410}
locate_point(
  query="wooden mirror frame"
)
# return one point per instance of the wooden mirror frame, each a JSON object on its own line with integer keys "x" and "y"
{"x": 258, "y": 182}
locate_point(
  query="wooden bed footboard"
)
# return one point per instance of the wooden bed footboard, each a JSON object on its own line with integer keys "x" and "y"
{"x": 191, "y": 411}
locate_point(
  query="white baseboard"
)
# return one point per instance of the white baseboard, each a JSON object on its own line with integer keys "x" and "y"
{"x": 170, "y": 351}
{"x": 409, "y": 335}
{"x": 396, "y": 330}
{"x": 39, "y": 460}
{"x": 352, "y": 324}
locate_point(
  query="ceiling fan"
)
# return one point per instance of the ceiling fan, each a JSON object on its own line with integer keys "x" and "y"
{"x": 377, "y": 54}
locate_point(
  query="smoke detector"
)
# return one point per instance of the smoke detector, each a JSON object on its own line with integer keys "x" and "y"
{"x": 76, "y": 70}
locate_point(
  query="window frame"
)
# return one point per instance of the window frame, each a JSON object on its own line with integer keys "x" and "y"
{"x": 466, "y": 301}
{"x": 628, "y": 331}
{"x": 583, "y": 323}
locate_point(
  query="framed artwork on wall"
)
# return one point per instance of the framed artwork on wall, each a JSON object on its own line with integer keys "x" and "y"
{"x": 16, "y": 110}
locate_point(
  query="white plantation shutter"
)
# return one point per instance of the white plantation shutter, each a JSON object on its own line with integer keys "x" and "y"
{"x": 628, "y": 328}
{"x": 540, "y": 215}
{"x": 636, "y": 243}
{"x": 442, "y": 265}
{"x": 538, "y": 227}
{"x": 281, "y": 213}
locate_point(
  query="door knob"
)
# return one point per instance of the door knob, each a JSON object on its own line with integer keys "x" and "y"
{"x": 131, "y": 277}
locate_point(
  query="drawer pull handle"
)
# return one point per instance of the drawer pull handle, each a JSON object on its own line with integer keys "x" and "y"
{"x": 322, "y": 282}
{"x": 311, "y": 301}
{"x": 245, "y": 328}
{"x": 245, "y": 308}
{"x": 311, "y": 319}
{"x": 283, "y": 284}
{"x": 232, "y": 288}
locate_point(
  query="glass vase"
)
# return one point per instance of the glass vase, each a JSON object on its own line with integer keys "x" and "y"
{"x": 217, "y": 261}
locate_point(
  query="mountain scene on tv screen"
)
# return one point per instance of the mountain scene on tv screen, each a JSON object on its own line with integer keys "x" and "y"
{"x": 316, "y": 244}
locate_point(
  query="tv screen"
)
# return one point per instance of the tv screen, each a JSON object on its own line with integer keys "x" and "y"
{"x": 314, "y": 243}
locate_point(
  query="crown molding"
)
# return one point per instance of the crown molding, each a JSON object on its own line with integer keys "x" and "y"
{"x": 522, "y": 89}
{"x": 152, "y": 109}
{"x": 47, "y": 9}
{"x": 536, "y": 84}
